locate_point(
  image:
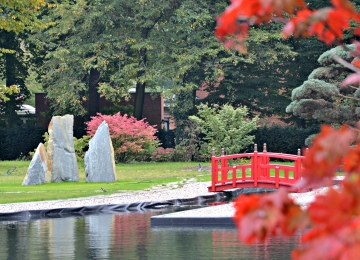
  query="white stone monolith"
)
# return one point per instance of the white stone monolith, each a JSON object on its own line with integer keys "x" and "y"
{"x": 62, "y": 161}
{"x": 36, "y": 173}
{"x": 99, "y": 159}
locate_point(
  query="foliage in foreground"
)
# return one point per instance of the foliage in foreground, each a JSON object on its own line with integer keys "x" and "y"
{"x": 333, "y": 218}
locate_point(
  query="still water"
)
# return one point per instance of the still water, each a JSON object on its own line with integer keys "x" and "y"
{"x": 127, "y": 236}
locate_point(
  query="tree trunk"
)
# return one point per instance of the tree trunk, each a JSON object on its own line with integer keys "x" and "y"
{"x": 10, "y": 107}
{"x": 140, "y": 86}
{"x": 94, "y": 96}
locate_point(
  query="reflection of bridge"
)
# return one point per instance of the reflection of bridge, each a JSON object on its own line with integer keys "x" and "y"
{"x": 229, "y": 173}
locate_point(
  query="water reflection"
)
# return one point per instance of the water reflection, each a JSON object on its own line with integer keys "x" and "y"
{"x": 127, "y": 236}
{"x": 99, "y": 235}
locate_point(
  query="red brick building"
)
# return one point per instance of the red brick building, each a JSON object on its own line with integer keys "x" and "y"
{"x": 153, "y": 111}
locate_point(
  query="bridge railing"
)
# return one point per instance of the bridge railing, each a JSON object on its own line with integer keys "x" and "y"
{"x": 260, "y": 172}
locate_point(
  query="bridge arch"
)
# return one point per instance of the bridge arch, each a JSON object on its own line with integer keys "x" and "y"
{"x": 259, "y": 172}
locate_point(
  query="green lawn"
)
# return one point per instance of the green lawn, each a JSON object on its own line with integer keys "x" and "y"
{"x": 137, "y": 176}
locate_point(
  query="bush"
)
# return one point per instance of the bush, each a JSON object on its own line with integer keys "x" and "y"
{"x": 81, "y": 145}
{"x": 225, "y": 127}
{"x": 20, "y": 140}
{"x": 191, "y": 143}
{"x": 132, "y": 139}
{"x": 167, "y": 155}
{"x": 282, "y": 139}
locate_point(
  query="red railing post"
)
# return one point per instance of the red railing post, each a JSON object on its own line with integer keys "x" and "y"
{"x": 255, "y": 166}
{"x": 214, "y": 170}
{"x": 224, "y": 165}
{"x": 234, "y": 176}
{"x": 277, "y": 177}
{"x": 266, "y": 160}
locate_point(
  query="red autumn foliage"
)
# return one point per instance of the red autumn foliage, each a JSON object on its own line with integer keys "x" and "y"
{"x": 327, "y": 23}
{"x": 132, "y": 139}
{"x": 258, "y": 217}
{"x": 333, "y": 218}
{"x": 323, "y": 158}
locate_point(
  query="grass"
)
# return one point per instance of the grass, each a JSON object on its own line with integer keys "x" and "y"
{"x": 130, "y": 177}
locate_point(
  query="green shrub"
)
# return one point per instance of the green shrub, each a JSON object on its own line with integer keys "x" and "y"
{"x": 81, "y": 145}
{"x": 225, "y": 127}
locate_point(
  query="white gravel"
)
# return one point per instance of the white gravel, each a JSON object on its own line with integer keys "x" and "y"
{"x": 188, "y": 189}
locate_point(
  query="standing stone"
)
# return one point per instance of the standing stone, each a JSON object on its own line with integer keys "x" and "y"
{"x": 99, "y": 159}
{"x": 36, "y": 172}
{"x": 61, "y": 152}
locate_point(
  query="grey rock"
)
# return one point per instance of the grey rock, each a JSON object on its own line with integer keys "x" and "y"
{"x": 62, "y": 161}
{"x": 36, "y": 172}
{"x": 99, "y": 159}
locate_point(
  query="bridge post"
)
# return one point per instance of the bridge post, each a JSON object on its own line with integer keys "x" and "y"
{"x": 224, "y": 164}
{"x": 214, "y": 170}
{"x": 234, "y": 176}
{"x": 254, "y": 166}
{"x": 265, "y": 172}
{"x": 297, "y": 165}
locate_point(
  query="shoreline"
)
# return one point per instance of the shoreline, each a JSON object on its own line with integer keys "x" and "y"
{"x": 171, "y": 191}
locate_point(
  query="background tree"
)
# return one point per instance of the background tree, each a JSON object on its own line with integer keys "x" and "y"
{"x": 264, "y": 82}
{"x": 322, "y": 97}
{"x": 78, "y": 53}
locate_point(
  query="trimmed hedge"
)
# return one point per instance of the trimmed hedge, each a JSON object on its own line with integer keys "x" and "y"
{"x": 282, "y": 139}
{"x": 20, "y": 140}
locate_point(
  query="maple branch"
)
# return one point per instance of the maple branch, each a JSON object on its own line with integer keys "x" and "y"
{"x": 345, "y": 63}
{"x": 348, "y": 97}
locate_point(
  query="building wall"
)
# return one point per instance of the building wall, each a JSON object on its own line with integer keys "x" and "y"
{"x": 153, "y": 110}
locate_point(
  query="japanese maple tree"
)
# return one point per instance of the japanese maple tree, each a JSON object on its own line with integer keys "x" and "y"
{"x": 132, "y": 139}
{"x": 331, "y": 223}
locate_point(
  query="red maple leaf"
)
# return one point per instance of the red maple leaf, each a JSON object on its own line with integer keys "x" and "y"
{"x": 257, "y": 217}
{"x": 351, "y": 162}
{"x": 324, "y": 156}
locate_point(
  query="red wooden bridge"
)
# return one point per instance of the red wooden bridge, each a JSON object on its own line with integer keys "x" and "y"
{"x": 260, "y": 172}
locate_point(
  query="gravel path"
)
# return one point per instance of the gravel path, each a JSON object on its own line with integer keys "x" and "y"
{"x": 189, "y": 189}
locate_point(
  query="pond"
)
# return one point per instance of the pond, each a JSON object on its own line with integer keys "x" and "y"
{"x": 128, "y": 236}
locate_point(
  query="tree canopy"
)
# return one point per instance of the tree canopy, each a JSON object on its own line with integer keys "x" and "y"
{"x": 21, "y": 15}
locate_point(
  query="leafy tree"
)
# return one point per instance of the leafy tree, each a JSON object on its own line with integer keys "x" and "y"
{"x": 21, "y": 15}
{"x": 225, "y": 127}
{"x": 13, "y": 69}
{"x": 264, "y": 83}
{"x": 322, "y": 97}
{"x": 77, "y": 51}
{"x": 16, "y": 19}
